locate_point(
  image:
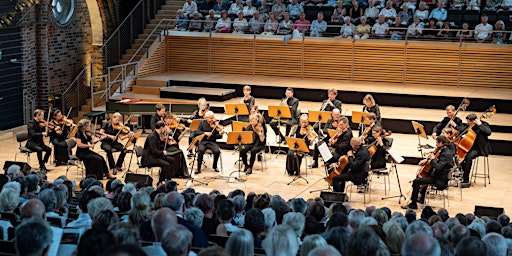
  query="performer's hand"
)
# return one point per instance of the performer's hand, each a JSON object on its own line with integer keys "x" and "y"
{"x": 44, "y": 134}
{"x": 165, "y": 152}
{"x": 431, "y": 155}
{"x": 423, "y": 162}
{"x": 58, "y": 132}
{"x": 208, "y": 134}
{"x": 350, "y": 153}
{"x": 478, "y": 121}
{"x": 434, "y": 135}
{"x": 452, "y": 123}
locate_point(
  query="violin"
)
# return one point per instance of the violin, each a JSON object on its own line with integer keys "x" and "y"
{"x": 65, "y": 121}
{"x": 309, "y": 132}
{"x": 122, "y": 128}
{"x": 258, "y": 128}
{"x": 43, "y": 123}
{"x": 338, "y": 133}
{"x": 175, "y": 124}
{"x": 215, "y": 125}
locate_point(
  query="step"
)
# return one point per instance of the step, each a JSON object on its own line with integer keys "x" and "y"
{"x": 155, "y": 90}
{"x": 150, "y": 82}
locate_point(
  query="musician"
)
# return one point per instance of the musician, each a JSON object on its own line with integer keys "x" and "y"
{"x": 258, "y": 142}
{"x": 332, "y": 123}
{"x": 212, "y": 131}
{"x": 381, "y": 147}
{"x": 36, "y": 131}
{"x": 341, "y": 140}
{"x": 58, "y": 136}
{"x": 447, "y": 121}
{"x": 293, "y": 103}
{"x": 481, "y": 146}
{"x": 358, "y": 159}
{"x": 448, "y": 133}
{"x": 202, "y": 107}
{"x": 174, "y": 132}
{"x": 441, "y": 162}
{"x": 255, "y": 110}
{"x": 94, "y": 163}
{"x": 248, "y": 100}
{"x": 371, "y": 107}
{"x": 154, "y": 155}
{"x": 114, "y": 133}
{"x": 370, "y": 120}
{"x": 331, "y": 102}
{"x": 293, "y": 158}
{"x": 158, "y": 115}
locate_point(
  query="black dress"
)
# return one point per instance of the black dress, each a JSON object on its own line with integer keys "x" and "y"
{"x": 59, "y": 144}
{"x": 94, "y": 163}
{"x": 180, "y": 164}
{"x": 293, "y": 158}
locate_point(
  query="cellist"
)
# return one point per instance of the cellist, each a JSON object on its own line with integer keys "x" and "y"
{"x": 358, "y": 158}
{"x": 341, "y": 140}
{"x": 441, "y": 162}
{"x": 481, "y": 146}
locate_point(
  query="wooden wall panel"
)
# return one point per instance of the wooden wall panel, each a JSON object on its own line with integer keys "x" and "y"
{"x": 274, "y": 58}
{"x": 328, "y": 58}
{"x": 378, "y": 61}
{"x": 156, "y": 62}
{"x": 188, "y": 53}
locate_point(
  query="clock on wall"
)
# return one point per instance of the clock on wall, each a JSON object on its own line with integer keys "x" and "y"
{"x": 63, "y": 11}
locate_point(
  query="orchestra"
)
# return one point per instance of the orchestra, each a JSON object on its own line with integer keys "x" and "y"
{"x": 60, "y": 128}
{"x": 37, "y": 129}
{"x": 114, "y": 132}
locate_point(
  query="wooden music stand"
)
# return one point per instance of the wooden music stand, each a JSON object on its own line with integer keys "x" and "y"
{"x": 239, "y": 126}
{"x": 195, "y": 124}
{"x": 419, "y": 129}
{"x": 239, "y": 138}
{"x": 194, "y": 143}
{"x": 359, "y": 117}
{"x": 319, "y": 116}
{"x": 236, "y": 109}
{"x": 331, "y": 132}
{"x": 279, "y": 112}
{"x": 299, "y": 146}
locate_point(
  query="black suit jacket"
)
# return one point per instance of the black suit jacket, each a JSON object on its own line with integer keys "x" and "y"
{"x": 35, "y": 132}
{"x": 342, "y": 145}
{"x": 204, "y": 126}
{"x": 154, "y": 118}
{"x": 335, "y": 102}
{"x": 437, "y": 129}
{"x": 442, "y": 165}
{"x": 481, "y": 144}
{"x": 358, "y": 163}
{"x": 152, "y": 148}
{"x": 199, "y": 237}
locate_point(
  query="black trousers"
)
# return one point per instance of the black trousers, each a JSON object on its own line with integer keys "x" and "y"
{"x": 94, "y": 163}
{"x": 275, "y": 127}
{"x": 39, "y": 149}
{"x": 254, "y": 151}
{"x": 180, "y": 164}
{"x": 166, "y": 163}
{"x": 338, "y": 182}
{"x": 108, "y": 147}
{"x": 201, "y": 149}
{"x": 60, "y": 150}
{"x": 417, "y": 186}
{"x": 468, "y": 163}
{"x": 293, "y": 162}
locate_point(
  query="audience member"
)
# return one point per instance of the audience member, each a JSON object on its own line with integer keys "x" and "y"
{"x": 240, "y": 243}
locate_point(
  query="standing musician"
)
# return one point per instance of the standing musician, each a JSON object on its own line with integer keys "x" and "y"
{"x": 371, "y": 107}
{"x": 293, "y": 103}
{"x": 94, "y": 163}
{"x": 154, "y": 155}
{"x": 61, "y": 127}
{"x": 358, "y": 158}
{"x": 481, "y": 146}
{"x": 331, "y": 102}
{"x": 158, "y": 115}
{"x": 248, "y": 100}
{"x": 212, "y": 131}
{"x": 174, "y": 132}
{"x": 258, "y": 142}
{"x": 441, "y": 161}
{"x": 36, "y": 131}
{"x": 302, "y": 130}
{"x": 332, "y": 123}
{"x": 114, "y": 131}
{"x": 456, "y": 123}
{"x": 381, "y": 145}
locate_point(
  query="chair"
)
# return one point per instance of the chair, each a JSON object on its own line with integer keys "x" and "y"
{"x": 455, "y": 16}
{"x": 366, "y": 185}
{"x": 384, "y": 172}
{"x": 21, "y": 137}
{"x": 455, "y": 177}
{"x": 433, "y": 190}
{"x": 486, "y": 175}
{"x": 73, "y": 161}
{"x": 218, "y": 240}
{"x": 138, "y": 152}
{"x": 263, "y": 156}
{"x": 7, "y": 247}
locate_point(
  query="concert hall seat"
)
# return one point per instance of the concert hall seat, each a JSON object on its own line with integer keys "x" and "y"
{"x": 455, "y": 16}
{"x": 22, "y": 137}
{"x": 433, "y": 190}
{"x": 138, "y": 152}
{"x": 366, "y": 184}
{"x": 384, "y": 172}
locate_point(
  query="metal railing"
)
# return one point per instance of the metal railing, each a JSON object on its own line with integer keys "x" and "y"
{"x": 109, "y": 54}
{"x": 29, "y": 105}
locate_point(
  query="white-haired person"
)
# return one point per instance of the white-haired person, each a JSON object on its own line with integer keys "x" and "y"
{"x": 281, "y": 241}
{"x": 240, "y": 243}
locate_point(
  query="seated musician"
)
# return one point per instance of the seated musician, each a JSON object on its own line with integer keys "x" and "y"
{"x": 249, "y": 101}
{"x": 114, "y": 133}
{"x": 254, "y": 110}
{"x": 381, "y": 146}
{"x": 371, "y": 107}
{"x": 202, "y": 107}
{"x": 36, "y": 130}
{"x": 370, "y": 121}
{"x": 258, "y": 142}
{"x": 293, "y": 158}
{"x": 332, "y": 123}
{"x": 447, "y": 121}
{"x": 441, "y": 162}
{"x": 158, "y": 115}
{"x": 481, "y": 146}
{"x": 94, "y": 163}
{"x": 293, "y": 103}
{"x": 356, "y": 169}
{"x": 174, "y": 132}
{"x": 154, "y": 154}
{"x": 58, "y": 136}
{"x": 212, "y": 131}
{"x": 448, "y": 133}
{"x": 331, "y": 102}
{"x": 341, "y": 140}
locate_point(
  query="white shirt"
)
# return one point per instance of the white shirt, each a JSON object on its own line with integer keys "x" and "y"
{"x": 380, "y": 29}
{"x": 413, "y": 28}
{"x": 249, "y": 12}
{"x": 482, "y": 31}
{"x": 189, "y": 9}
{"x": 423, "y": 15}
{"x": 83, "y": 221}
{"x": 371, "y": 12}
{"x": 239, "y": 25}
{"x": 391, "y": 12}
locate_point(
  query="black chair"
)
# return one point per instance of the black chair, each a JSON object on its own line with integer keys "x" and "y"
{"x": 455, "y": 16}
{"x": 7, "y": 248}
{"x": 22, "y": 137}
{"x": 218, "y": 240}
{"x": 73, "y": 161}
{"x": 504, "y": 16}
{"x": 472, "y": 17}
{"x": 491, "y": 16}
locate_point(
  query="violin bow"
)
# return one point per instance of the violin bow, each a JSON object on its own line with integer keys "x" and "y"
{"x": 124, "y": 124}
{"x": 69, "y": 112}
{"x": 48, "y": 119}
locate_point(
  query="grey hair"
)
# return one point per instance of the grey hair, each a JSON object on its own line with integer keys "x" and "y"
{"x": 239, "y": 203}
{"x": 311, "y": 242}
{"x": 421, "y": 244}
{"x": 240, "y": 242}
{"x": 495, "y": 243}
{"x": 270, "y": 218}
{"x": 299, "y": 205}
{"x": 97, "y": 205}
{"x": 195, "y": 216}
{"x": 281, "y": 241}
{"x": 33, "y": 236}
{"x": 176, "y": 240}
{"x": 418, "y": 227}
{"x": 48, "y": 198}
{"x": 9, "y": 199}
{"x": 296, "y": 221}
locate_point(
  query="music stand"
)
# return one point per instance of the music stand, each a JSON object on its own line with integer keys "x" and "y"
{"x": 396, "y": 159}
{"x": 236, "y": 109}
{"x": 279, "y": 112}
{"x": 131, "y": 142}
{"x": 419, "y": 129}
{"x": 239, "y": 126}
{"x": 298, "y": 145}
{"x": 359, "y": 117}
{"x": 239, "y": 138}
{"x": 195, "y": 124}
{"x": 319, "y": 117}
{"x": 326, "y": 156}
{"x": 192, "y": 146}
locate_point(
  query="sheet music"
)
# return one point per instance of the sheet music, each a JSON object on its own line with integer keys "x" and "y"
{"x": 395, "y": 155}
{"x": 324, "y": 152}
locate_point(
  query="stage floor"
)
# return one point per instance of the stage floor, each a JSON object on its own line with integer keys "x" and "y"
{"x": 274, "y": 179}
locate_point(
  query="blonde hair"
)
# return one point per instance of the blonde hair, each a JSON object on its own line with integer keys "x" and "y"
{"x": 450, "y": 107}
{"x": 369, "y": 98}
{"x": 116, "y": 114}
{"x": 247, "y": 87}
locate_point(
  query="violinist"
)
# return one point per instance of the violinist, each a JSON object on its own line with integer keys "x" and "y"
{"x": 255, "y": 110}
{"x": 370, "y": 120}
{"x": 94, "y": 163}
{"x": 154, "y": 154}
{"x": 114, "y": 131}
{"x": 158, "y": 115}
{"x": 449, "y": 120}
{"x": 441, "y": 161}
{"x": 341, "y": 140}
{"x": 293, "y": 160}
{"x": 358, "y": 158}
{"x": 174, "y": 132}
{"x": 381, "y": 145}
{"x": 332, "y": 123}
{"x": 248, "y": 100}
{"x": 37, "y": 128}
{"x": 202, "y": 107}
{"x": 258, "y": 142}
{"x": 293, "y": 103}
{"x": 481, "y": 146}
{"x": 58, "y": 135}
{"x": 212, "y": 131}
{"x": 331, "y": 102}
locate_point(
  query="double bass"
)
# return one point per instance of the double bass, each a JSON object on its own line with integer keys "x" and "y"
{"x": 465, "y": 141}
{"x": 463, "y": 105}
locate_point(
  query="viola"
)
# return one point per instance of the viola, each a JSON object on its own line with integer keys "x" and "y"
{"x": 66, "y": 121}
{"x": 258, "y": 128}
{"x": 122, "y": 128}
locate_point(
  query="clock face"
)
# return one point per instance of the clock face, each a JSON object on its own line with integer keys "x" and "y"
{"x": 63, "y": 10}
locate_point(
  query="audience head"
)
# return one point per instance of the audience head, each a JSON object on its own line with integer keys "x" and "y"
{"x": 195, "y": 216}
{"x": 226, "y": 210}
{"x": 281, "y": 241}
{"x": 298, "y": 205}
{"x": 33, "y": 237}
{"x": 363, "y": 241}
{"x": 471, "y": 246}
{"x": 95, "y": 242}
{"x": 174, "y": 201}
{"x": 354, "y": 218}
{"x": 239, "y": 203}
{"x": 32, "y": 208}
{"x": 105, "y": 219}
{"x": 296, "y": 221}
{"x": 421, "y": 244}
{"x": 440, "y": 230}
{"x": 311, "y": 242}
{"x": 125, "y": 233}
{"x": 324, "y": 250}
{"x": 457, "y": 233}
{"x": 395, "y": 236}
{"x": 254, "y": 221}
{"x": 493, "y": 226}
{"x": 9, "y": 199}
{"x": 270, "y": 219}
{"x": 97, "y": 205}
{"x": 496, "y": 244}
{"x": 125, "y": 250}
{"x": 161, "y": 220}
{"x": 240, "y": 243}
{"x": 338, "y": 237}
{"x": 503, "y": 219}
{"x": 380, "y": 216}
{"x": 476, "y": 228}
{"x": 418, "y": 227}
{"x": 506, "y": 231}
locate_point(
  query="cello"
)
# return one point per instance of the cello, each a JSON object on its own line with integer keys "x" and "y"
{"x": 466, "y": 139}
{"x": 342, "y": 163}
{"x": 427, "y": 168}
